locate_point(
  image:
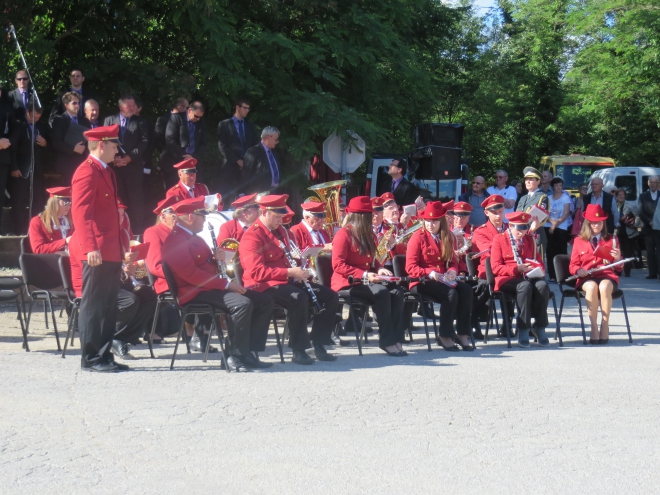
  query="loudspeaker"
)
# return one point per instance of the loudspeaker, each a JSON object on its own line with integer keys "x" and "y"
{"x": 434, "y": 134}
{"x": 440, "y": 164}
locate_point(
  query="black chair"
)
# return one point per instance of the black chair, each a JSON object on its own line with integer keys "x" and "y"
{"x": 562, "y": 262}
{"x": 324, "y": 269}
{"x": 325, "y": 279}
{"x": 26, "y": 248}
{"x": 11, "y": 284}
{"x": 238, "y": 274}
{"x": 9, "y": 296}
{"x": 196, "y": 309}
{"x": 503, "y": 298}
{"x": 42, "y": 272}
{"x": 399, "y": 267}
{"x": 64, "y": 264}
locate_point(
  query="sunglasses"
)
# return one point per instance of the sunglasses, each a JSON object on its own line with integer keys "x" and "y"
{"x": 462, "y": 214}
{"x": 21, "y": 78}
{"x": 65, "y": 202}
{"x": 523, "y": 226}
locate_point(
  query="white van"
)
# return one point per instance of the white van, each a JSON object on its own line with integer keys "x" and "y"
{"x": 633, "y": 179}
{"x": 378, "y": 180}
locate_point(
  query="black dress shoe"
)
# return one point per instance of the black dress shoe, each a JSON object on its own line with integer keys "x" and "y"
{"x": 331, "y": 340}
{"x": 651, "y": 277}
{"x": 603, "y": 341}
{"x": 450, "y": 348}
{"x": 395, "y": 354}
{"x": 322, "y": 354}
{"x": 468, "y": 347}
{"x": 235, "y": 364}
{"x": 121, "y": 350}
{"x": 594, "y": 341}
{"x": 253, "y": 362}
{"x": 199, "y": 345}
{"x": 301, "y": 357}
{"x": 101, "y": 368}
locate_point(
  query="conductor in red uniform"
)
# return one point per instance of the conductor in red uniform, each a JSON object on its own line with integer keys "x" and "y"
{"x": 196, "y": 273}
{"x": 266, "y": 269}
{"x": 94, "y": 198}
{"x": 310, "y": 232}
{"x": 187, "y": 187}
{"x": 246, "y": 212}
{"x": 511, "y": 277}
{"x": 51, "y": 230}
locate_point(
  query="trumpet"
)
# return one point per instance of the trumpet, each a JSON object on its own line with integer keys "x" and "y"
{"x": 473, "y": 256}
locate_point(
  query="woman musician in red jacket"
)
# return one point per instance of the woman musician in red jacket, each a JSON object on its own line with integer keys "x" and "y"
{"x": 51, "y": 230}
{"x": 353, "y": 251}
{"x": 432, "y": 254}
{"x": 594, "y": 248}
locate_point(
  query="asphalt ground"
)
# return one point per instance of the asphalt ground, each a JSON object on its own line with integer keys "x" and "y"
{"x": 577, "y": 419}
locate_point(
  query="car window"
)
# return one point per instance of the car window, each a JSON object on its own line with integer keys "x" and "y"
{"x": 444, "y": 190}
{"x": 629, "y": 183}
{"x": 382, "y": 180}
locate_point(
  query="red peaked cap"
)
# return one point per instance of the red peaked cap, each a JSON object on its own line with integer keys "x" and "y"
{"x": 313, "y": 207}
{"x": 449, "y": 206}
{"x": 492, "y": 200}
{"x": 59, "y": 192}
{"x": 518, "y": 217}
{"x": 462, "y": 206}
{"x": 187, "y": 164}
{"x": 190, "y": 205}
{"x": 287, "y": 217}
{"x": 105, "y": 133}
{"x": 386, "y": 197}
{"x": 165, "y": 204}
{"x": 245, "y": 201}
{"x": 274, "y": 202}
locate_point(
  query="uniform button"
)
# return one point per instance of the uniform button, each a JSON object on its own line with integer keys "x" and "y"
{"x": 106, "y": 194}
{"x": 198, "y": 256}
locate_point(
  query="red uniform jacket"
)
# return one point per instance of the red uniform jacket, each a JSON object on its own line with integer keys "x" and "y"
{"x": 424, "y": 256}
{"x": 347, "y": 261}
{"x": 583, "y": 257}
{"x": 482, "y": 239}
{"x": 94, "y": 210}
{"x": 182, "y": 193}
{"x": 231, "y": 229}
{"x": 192, "y": 264}
{"x": 156, "y": 236}
{"x": 263, "y": 260}
{"x": 503, "y": 262}
{"x": 44, "y": 242}
{"x": 304, "y": 239}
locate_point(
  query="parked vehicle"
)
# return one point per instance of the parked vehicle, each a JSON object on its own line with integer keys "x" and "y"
{"x": 575, "y": 169}
{"x": 444, "y": 190}
{"x": 633, "y": 179}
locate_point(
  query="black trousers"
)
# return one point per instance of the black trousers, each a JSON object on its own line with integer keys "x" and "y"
{"x": 557, "y": 244}
{"x": 652, "y": 241}
{"x": 4, "y": 179}
{"x": 19, "y": 190}
{"x": 532, "y": 301}
{"x": 628, "y": 248}
{"x": 455, "y": 304}
{"x": 480, "y": 298}
{"x": 135, "y": 309}
{"x": 295, "y": 299}
{"x": 387, "y": 303}
{"x": 250, "y": 317}
{"x": 98, "y": 311}
{"x": 130, "y": 190}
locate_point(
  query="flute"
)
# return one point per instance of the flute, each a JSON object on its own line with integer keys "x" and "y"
{"x": 601, "y": 268}
{"x": 473, "y": 256}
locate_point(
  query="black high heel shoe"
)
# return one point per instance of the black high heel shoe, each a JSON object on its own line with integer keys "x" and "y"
{"x": 395, "y": 354}
{"x": 468, "y": 347}
{"x": 603, "y": 341}
{"x": 453, "y": 348}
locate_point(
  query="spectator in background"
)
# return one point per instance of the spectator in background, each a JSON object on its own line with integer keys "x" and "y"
{"x": 9, "y": 136}
{"x": 556, "y": 228}
{"x": 235, "y": 136}
{"x": 184, "y": 139}
{"x": 20, "y": 96}
{"x": 67, "y": 155}
{"x": 405, "y": 192}
{"x": 180, "y": 105}
{"x": 627, "y": 232}
{"x": 77, "y": 79}
{"x": 509, "y": 193}
{"x": 474, "y": 198}
{"x": 92, "y": 113}
{"x": 546, "y": 177}
{"x": 648, "y": 207}
{"x": 32, "y": 129}
{"x": 129, "y": 164}
{"x": 519, "y": 190}
{"x": 599, "y": 197}
{"x": 263, "y": 164}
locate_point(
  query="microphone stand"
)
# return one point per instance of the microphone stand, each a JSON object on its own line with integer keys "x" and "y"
{"x": 35, "y": 103}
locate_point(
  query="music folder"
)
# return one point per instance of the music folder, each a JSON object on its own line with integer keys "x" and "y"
{"x": 74, "y": 134}
{"x": 142, "y": 250}
{"x": 311, "y": 251}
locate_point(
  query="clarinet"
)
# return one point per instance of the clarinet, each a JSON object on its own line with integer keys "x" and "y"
{"x": 514, "y": 248}
{"x": 602, "y": 268}
{"x": 221, "y": 264}
{"x": 293, "y": 264}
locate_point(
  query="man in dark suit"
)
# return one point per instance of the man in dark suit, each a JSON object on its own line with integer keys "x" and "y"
{"x": 184, "y": 138}
{"x": 20, "y": 96}
{"x": 67, "y": 155}
{"x": 405, "y": 192}
{"x": 129, "y": 165}
{"x": 77, "y": 78}
{"x": 180, "y": 105}
{"x": 235, "y": 136}
{"x": 9, "y": 136}
{"x": 648, "y": 203}
{"x": 263, "y": 164}
{"x": 22, "y": 174}
{"x": 92, "y": 113}
{"x": 605, "y": 200}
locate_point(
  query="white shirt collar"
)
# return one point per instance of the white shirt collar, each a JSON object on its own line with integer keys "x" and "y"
{"x": 187, "y": 188}
{"x": 183, "y": 228}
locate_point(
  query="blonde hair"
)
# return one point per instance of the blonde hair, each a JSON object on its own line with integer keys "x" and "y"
{"x": 49, "y": 215}
{"x": 586, "y": 233}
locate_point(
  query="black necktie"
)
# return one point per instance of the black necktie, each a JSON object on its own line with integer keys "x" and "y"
{"x": 594, "y": 242}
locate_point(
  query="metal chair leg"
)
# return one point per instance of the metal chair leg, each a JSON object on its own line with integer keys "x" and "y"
{"x": 625, "y": 313}
{"x": 153, "y": 329}
{"x": 351, "y": 314}
{"x": 45, "y": 315}
{"x": 279, "y": 342}
{"x": 491, "y": 307}
{"x": 505, "y": 321}
{"x": 69, "y": 331}
{"x": 221, "y": 339}
{"x": 422, "y": 305}
{"x": 178, "y": 337}
{"x": 584, "y": 330}
{"x": 52, "y": 313}
{"x": 558, "y": 329}
{"x": 20, "y": 319}
{"x": 29, "y": 316}
{"x": 561, "y": 308}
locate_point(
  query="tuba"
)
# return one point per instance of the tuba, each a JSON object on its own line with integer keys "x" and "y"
{"x": 329, "y": 193}
{"x": 230, "y": 244}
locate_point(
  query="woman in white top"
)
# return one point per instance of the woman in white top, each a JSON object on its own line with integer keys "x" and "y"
{"x": 556, "y": 228}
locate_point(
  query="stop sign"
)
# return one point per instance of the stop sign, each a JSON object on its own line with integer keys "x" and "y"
{"x": 343, "y": 157}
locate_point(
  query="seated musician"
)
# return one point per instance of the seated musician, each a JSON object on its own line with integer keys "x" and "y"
{"x": 196, "y": 272}
{"x": 509, "y": 267}
{"x": 311, "y": 230}
{"x": 187, "y": 187}
{"x": 449, "y": 211}
{"x": 51, "y": 230}
{"x": 353, "y": 255}
{"x": 246, "y": 212}
{"x": 169, "y": 316}
{"x": 267, "y": 270}
{"x": 382, "y": 228}
{"x": 431, "y": 254}
{"x": 464, "y": 233}
{"x": 482, "y": 240}
{"x": 593, "y": 236}
{"x": 392, "y": 212}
